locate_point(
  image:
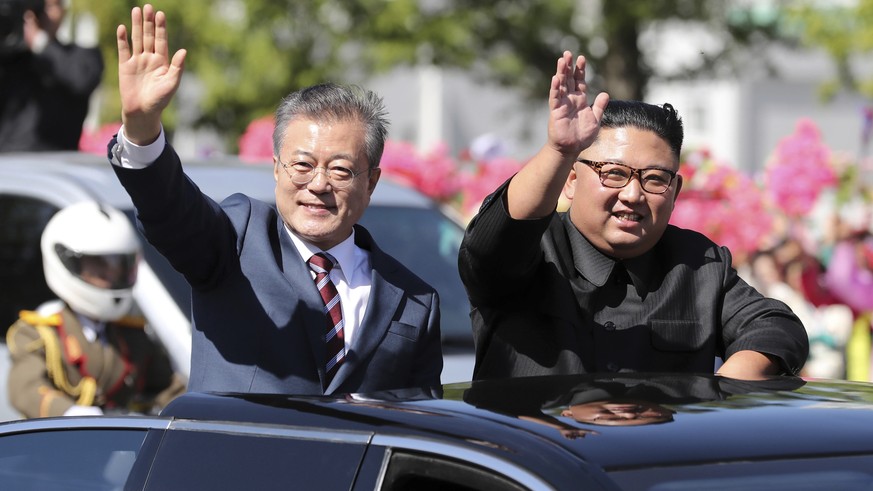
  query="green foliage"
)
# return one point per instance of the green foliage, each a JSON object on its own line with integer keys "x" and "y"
{"x": 845, "y": 32}
{"x": 248, "y": 54}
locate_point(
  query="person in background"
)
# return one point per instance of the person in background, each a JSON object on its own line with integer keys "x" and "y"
{"x": 295, "y": 298}
{"x": 45, "y": 85}
{"x": 610, "y": 286}
{"x": 83, "y": 354}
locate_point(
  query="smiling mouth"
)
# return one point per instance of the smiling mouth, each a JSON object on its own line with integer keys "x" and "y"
{"x": 322, "y": 206}
{"x": 628, "y": 217}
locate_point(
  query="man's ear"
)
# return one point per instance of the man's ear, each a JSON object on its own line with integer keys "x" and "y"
{"x": 373, "y": 179}
{"x": 678, "y": 187}
{"x": 570, "y": 184}
{"x": 276, "y": 169}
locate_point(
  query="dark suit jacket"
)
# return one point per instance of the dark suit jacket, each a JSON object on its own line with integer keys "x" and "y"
{"x": 258, "y": 323}
{"x": 536, "y": 287}
{"x": 45, "y": 97}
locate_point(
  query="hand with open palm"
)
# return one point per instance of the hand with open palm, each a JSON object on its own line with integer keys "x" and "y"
{"x": 573, "y": 124}
{"x": 147, "y": 77}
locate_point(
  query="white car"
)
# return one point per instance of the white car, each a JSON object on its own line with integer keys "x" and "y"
{"x": 33, "y": 186}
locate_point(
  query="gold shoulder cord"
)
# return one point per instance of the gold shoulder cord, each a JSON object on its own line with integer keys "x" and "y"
{"x": 46, "y": 327}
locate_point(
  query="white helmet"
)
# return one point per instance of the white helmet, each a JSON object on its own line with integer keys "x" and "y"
{"x": 90, "y": 253}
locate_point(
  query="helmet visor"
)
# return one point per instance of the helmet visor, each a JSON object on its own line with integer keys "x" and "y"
{"x": 107, "y": 271}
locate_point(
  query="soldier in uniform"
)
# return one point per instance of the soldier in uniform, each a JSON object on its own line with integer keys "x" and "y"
{"x": 83, "y": 354}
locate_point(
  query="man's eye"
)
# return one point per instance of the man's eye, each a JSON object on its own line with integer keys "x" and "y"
{"x": 302, "y": 167}
{"x": 657, "y": 177}
{"x": 341, "y": 173}
{"x": 615, "y": 172}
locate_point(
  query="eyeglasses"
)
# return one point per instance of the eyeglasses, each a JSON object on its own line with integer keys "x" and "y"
{"x": 303, "y": 173}
{"x": 653, "y": 180}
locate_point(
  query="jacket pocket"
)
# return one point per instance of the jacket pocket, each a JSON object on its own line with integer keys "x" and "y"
{"x": 406, "y": 330}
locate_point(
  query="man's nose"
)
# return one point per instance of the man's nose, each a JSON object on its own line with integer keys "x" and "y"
{"x": 319, "y": 179}
{"x": 633, "y": 190}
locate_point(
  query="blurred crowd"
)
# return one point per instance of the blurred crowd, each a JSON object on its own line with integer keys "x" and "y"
{"x": 826, "y": 276}
{"x": 801, "y": 232}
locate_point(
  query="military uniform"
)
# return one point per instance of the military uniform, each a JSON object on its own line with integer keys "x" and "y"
{"x": 55, "y": 366}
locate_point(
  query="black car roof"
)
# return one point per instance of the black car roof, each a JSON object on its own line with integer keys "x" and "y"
{"x": 713, "y": 418}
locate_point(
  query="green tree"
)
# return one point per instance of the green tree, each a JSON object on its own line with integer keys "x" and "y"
{"x": 247, "y": 54}
{"x": 845, "y": 32}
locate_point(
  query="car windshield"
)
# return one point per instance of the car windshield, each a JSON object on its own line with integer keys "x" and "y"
{"x": 423, "y": 239}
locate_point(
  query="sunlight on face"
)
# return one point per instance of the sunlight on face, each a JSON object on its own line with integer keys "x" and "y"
{"x": 316, "y": 211}
{"x": 624, "y": 222}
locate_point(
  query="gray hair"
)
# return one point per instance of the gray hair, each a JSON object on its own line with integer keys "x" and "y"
{"x": 330, "y": 102}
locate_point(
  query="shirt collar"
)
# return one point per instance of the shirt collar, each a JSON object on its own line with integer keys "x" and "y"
{"x": 597, "y": 267}
{"x": 345, "y": 253}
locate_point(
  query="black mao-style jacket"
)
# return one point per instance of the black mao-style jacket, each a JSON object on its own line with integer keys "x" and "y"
{"x": 545, "y": 301}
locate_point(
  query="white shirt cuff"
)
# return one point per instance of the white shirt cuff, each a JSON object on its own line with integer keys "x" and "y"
{"x": 77, "y": 410}
{"x": 132, "y": 156}
{"x": 40, "y": 41}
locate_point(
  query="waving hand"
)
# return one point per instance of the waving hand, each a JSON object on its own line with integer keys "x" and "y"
{"x": 147, "y": 77}
{"x": 573, "y": 124}
{"x": 573, "y": 127}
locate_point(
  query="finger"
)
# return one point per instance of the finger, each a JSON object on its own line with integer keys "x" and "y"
{"x": 178, "y": 62}
{"x": 162, "y": 45}
{"x": 136, "y": 30}
{"x": 121, "y": 41}
{"x": 580, "y": 63}
{"x": 554, "y": 92}
{"x": 148, "y": 29}
{"x": 561, "y": 73}
{"x": 599, "y": 105}
{"x": 559, "y": 69}
{"x": 579, "y": 73}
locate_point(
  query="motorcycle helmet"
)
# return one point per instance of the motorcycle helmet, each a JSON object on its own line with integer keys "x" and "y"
{"x": 90, "y": 253}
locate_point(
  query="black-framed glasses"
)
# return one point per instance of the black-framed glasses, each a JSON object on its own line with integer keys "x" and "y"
{"x": 302, "y": 173}
{"x": 653, "y": 180}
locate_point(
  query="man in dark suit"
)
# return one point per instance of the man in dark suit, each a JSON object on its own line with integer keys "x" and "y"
{"x": 261, "y": 323}
{"x": 610, "y": 286}
{"x": 45, "y": 84}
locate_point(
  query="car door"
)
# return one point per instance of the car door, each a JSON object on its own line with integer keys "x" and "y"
{"x": 214, "y": 455}
{"x": 67, "y": 454}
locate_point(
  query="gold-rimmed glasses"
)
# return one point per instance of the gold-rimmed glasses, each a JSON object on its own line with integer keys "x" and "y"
{"x": 302, "y": 173}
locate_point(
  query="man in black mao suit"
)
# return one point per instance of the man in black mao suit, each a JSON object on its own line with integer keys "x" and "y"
{"x": 260, "y": 323}
{"x": 610, "y": 286}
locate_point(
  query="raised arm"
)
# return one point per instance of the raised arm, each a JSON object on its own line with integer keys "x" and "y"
{"x": 147, "y": 77}
{"x": 573, "y": 126}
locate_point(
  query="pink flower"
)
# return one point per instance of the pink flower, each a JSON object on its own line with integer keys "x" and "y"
{"x": 799, "y": 170}
{"x": 256, "y": 143}
{"x": 482, "y": 179}
{"x": 96, "y": 141}
{"x": 433, "y": 173}
{"x": 721, "y": 203}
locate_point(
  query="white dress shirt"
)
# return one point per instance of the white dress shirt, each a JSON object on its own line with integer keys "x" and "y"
{"x": 351, "y": 276}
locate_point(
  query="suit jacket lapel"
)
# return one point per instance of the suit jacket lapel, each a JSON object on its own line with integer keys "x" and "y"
{"x": 385, "y": 297}
{"x": 299, "y": 277}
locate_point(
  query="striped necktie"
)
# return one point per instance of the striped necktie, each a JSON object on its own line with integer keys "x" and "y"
{"x": 321, "y": 264}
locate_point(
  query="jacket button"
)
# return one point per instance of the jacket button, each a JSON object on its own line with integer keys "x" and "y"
{"x": 609, "y": 326}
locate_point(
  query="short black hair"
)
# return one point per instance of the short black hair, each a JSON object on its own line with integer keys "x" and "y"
{"x": 663, "y": 120}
